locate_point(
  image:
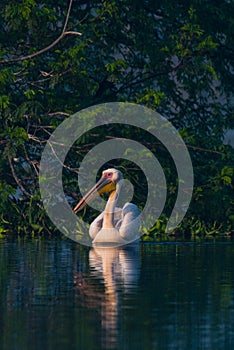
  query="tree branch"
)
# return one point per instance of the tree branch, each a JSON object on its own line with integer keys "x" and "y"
{"x": 62, "y": 35}
{"x": 17, "y": 180}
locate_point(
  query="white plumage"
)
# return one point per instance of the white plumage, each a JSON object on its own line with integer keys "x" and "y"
{"x": 115, "y": 225}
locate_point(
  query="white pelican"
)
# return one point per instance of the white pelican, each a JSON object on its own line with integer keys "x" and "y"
{"x": 114, "y": 226}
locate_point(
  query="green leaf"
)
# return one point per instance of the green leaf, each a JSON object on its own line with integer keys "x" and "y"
{"x": 4, "y": 101}
{"x": 29, "y": 94}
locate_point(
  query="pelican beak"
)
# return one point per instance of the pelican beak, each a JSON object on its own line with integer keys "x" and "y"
{"x": 104, "y": 185}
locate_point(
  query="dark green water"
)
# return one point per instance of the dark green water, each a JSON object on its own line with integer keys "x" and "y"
{"x": 58, "y": 295}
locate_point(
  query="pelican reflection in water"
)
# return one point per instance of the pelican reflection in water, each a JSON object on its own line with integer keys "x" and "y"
{"x": 115, "y": 225}
{"x": 119, "y": 269}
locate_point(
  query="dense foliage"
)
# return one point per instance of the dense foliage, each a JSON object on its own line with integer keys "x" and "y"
{"x": 59, "y": 57}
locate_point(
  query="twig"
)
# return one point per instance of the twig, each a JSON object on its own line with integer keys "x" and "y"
{"x": 59, "y": 160}
{"x": 17, "y": 180}
{"x": 204, "y": 149}
{"x": 62, "y": 35}
{"x": 58, "y": 113}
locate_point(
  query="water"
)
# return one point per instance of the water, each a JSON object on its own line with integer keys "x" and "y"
{"x": 55, "y": 294}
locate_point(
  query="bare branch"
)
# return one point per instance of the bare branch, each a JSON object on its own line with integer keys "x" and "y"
{"x": 17, "y": 180}
{"x": 62, "y": 35}
{"x": 62, "y": 164}
{"x": 57, "y": 114}
{"x": 67, "y": 17}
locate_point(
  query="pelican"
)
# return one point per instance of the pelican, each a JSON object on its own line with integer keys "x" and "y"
{"x": 114, "y": 225}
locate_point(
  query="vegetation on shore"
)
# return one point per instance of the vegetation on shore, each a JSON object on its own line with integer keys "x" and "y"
{"x": 57, "y": 58}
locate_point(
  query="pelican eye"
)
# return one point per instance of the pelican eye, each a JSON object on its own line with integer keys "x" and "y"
{"x": 109, "y": 174}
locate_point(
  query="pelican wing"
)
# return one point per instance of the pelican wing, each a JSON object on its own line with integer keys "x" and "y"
{"x": 129, "y": 224}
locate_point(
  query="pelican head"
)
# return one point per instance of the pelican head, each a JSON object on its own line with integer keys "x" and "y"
{"x": 108, "y": 183}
